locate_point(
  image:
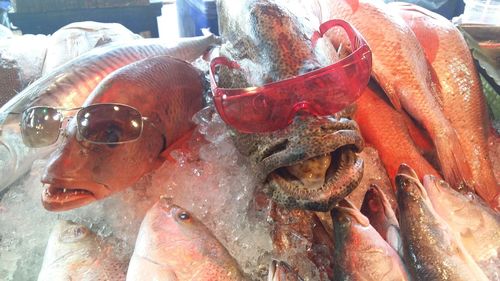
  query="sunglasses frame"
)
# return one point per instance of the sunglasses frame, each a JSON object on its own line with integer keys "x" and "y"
{"x": 219, "y": 94}
{"x": 79, "y": 135}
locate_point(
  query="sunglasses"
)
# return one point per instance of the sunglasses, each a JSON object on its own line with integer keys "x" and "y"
{"x": 104, "y": 123}
{"x": 321, "y": 92}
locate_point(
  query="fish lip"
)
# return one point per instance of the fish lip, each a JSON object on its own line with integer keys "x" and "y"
{"x": 335, "y": 188}
{"x": 67, "y": 194}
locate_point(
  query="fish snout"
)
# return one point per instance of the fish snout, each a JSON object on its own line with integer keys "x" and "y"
{"x": 166, "y": 204}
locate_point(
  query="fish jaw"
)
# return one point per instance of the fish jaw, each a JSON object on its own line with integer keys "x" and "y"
{"x": 274, "y": 155}
{"x": 281, "y": 271}
{"x": 66, "y": 194}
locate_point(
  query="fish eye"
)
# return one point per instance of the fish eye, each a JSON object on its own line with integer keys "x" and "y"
{"x": 184, "y": 216}
{"x": 73, "y": 234}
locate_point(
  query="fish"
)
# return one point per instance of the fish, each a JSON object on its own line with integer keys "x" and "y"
{"x": 167, "y": 91}
{"x": 400, "y": 67}
{"x": 300, "y": 239}
{"x": 477, "y": 226}
{"x": 70, "y": 84}
{"x": 459, "y": 92}
{"x": 431, "y": 249}
{"x": 360, "y": 252}
{"x": 281, "y": 271}
{"x": 378, "y": 210}
{"x": 74, "y": 252}
{"x": 385, "y": 129}
{"x": 172, "y": 244}
{"x": 312, "y": 163}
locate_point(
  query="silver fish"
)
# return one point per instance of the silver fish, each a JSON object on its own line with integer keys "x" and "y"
{"x": 477, "y": 226}
{"x": 431, "y": 249}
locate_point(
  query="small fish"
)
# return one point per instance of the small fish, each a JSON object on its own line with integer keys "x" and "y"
{"x": 174, "y": 245}
{"x": 167, "y": 91}
{"x": 385, "y": 128}
{"x": 431, "y": 249}
{"x": 360, "y": 252}
{"x": 378, "y": 210}
{"x": 477, "y": 226}
{"x": 300, "y": 238}
{"x": 400, "y": 67}
{"x": 458, "y": 90}
{"x": 74, "y": 252}
{"x": 70, "y": 84}
{"x": 281, "y": 271}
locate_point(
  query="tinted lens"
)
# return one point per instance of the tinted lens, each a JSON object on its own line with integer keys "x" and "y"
{"x": 40, "y": 126}
{"x": 109, "y": 123}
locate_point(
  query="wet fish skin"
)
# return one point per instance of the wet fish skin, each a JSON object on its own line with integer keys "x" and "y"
{"x": 477, "y": 226}
{"x": 174, "y": 245}
{"x": 167, "y": 91}
{"x": 281, "y": 271}
{"x": 74, "y": 252}
{"x": 299, "y": 237}
{"x": 378, "y": 210}
{"x": 70, "y": 84}
{"x": 432, "y": 252}
{"x": 399, "y": 66}
{"x": 459, "y": 91}
{"x": 360, "y": 252}
{"x": 385, "y": 128}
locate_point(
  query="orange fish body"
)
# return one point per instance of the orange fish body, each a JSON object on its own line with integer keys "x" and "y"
{"x": 459, "y": 91}
{"x": 384, "y": 128}
{"x": 400, "y": 67}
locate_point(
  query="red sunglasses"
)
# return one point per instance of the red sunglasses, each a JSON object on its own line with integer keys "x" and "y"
{"x": 321, "y": 92}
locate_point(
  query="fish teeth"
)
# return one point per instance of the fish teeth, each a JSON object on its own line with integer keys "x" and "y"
{"x": 64, "y": 190}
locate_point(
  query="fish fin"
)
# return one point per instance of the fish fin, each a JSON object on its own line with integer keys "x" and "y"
{"x": 180, "y": 144}
{"x": 418, "y": 135}
{"x": 454, "y": 166}
{"x": 393, "y": 97}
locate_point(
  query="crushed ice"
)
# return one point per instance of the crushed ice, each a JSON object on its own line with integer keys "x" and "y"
{"x": 206, "y": 176}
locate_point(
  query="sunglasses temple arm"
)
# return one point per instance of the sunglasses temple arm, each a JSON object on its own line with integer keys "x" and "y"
{"x": 352, "y": 34}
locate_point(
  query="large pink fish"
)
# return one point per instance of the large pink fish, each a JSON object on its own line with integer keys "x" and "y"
{"x": 459, "y": 91}
{"x": 167, "y": 91}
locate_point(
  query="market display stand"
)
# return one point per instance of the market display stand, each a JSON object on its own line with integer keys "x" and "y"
{"x": 139, "y": 19}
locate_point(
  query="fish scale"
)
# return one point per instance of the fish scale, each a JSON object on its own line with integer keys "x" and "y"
{"x": 459, "y": 91}
{"x": 70, "y": 84}
{"x": 400, "y": 68}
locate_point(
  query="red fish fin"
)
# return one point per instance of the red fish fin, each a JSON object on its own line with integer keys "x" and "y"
{"x": 418, "y": 135}
{"x": 180, "y": 144}
{"x": 354, "y": 4}
{"x": 454, "y": 166}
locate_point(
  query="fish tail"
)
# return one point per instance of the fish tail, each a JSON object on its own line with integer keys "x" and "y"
{"x": 454, "y": 166}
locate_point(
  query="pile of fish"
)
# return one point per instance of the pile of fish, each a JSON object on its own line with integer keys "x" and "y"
{"x": 420, "y": 202}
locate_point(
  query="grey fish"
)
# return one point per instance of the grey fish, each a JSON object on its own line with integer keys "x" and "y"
{"x": 477, "y": 225}
{"x": 74, "y": 252}
{"x": 70, "y": 84}
{"x": 431, "y": 250}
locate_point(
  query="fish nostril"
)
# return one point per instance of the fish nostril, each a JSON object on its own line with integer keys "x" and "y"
{"x": 280, "y": 146}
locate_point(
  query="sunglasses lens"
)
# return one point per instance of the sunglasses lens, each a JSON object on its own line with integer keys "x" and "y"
{"x": 109, "y": 123}
{"x": 40, "y": 126}
{"x": 255, "y": 112}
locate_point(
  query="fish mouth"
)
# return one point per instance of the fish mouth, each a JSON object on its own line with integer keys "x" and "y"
{"x": 63, "y": 195}
{"x": 408, "y": 184}
{"x": 296, "y": 186}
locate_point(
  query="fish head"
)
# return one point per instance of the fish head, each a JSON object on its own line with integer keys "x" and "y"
{"x": 282, "y": 271}
{"x": 80, "y": 172}
{"x": 70, "y": 243}
{"x": 169, "y": 233}
{"x": 411, "y": 194}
